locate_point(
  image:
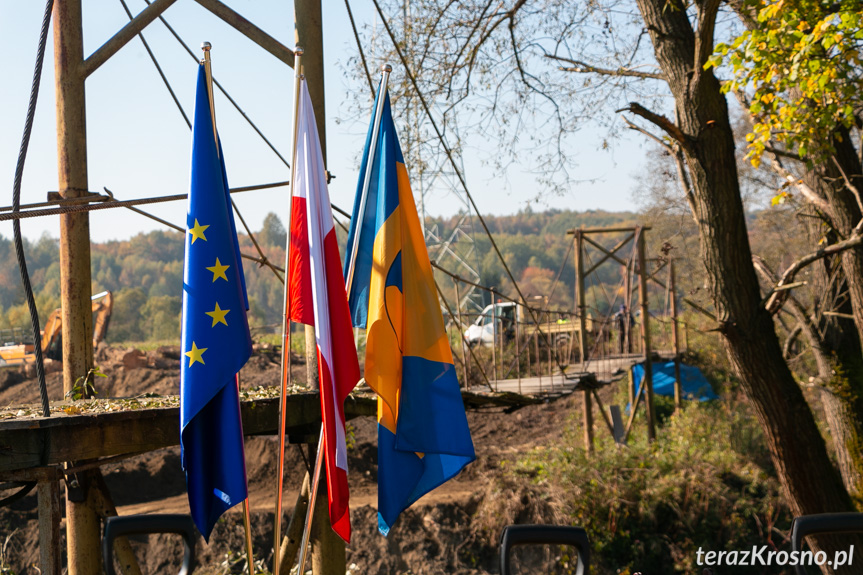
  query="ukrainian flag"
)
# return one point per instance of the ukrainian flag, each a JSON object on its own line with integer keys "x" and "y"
{"x": 423, "y": 436}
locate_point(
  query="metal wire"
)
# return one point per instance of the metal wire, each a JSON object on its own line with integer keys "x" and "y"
{"x": 16, "y": 206}
{"x": 458, "y": 173}
{"x": 360, "y": 48}
{"x": 106, "y": 205}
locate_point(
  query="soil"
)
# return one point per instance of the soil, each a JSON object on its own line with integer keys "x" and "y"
{"x": 450, "y": 530}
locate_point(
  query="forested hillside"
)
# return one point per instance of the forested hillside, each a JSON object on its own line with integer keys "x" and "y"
{"x": 145, "y": 273}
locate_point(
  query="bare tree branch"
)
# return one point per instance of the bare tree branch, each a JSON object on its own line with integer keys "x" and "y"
{"x": 783, "y": 153}
{"x": 807, "y": 192}
{"x": 661, "y": 121}
{"x": 585, "y": 68}
{"x": 805, "y": 323}
{"x": 851, "y": 187}
{"x": 854, "y": 240}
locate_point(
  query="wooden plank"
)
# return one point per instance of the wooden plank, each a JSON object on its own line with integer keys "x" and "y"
{"x": 605, "y": 230}
{"x": 35, "y": 442}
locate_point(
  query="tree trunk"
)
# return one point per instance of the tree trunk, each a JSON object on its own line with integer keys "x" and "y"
{"x": 808, "y": 478}
{"x": 839, "y": 340}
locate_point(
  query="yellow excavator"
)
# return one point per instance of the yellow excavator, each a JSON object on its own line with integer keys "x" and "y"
{"x": 16, "y": 353}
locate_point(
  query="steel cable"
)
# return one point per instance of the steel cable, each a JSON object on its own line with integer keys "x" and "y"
{"x": 16, "y": 206}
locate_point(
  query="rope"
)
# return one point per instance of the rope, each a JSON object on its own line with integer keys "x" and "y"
{"x": 16, "y": 203}
{"x": 458, "y": 171}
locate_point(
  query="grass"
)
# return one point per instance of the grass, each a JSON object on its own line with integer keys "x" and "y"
{"x": 706, "y": 482}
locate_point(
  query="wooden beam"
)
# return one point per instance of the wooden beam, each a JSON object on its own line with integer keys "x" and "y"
{"x": 48, "y": 497}
{"x": 645, "y": 338}
{"x": 83, "y": 537}
{"x": 607, "y": 230}
{"x": 250, "y": 31}
{"x": 608, "y": 254}
{"x": 588, "y": 422}
{"x": 650, "y": 276}
{"x": 36, "y": 442}
{"x": 124, "y": 36}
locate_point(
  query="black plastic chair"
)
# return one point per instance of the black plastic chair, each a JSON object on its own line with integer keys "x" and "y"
{"x": 144, "y": 524}
{"x": 514, "y": 535}
{"x": 822, "y": 523}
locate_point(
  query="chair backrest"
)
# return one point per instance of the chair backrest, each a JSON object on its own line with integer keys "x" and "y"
{"x": 514, "y": 535}
{"x": 144, "y": 524}
{"x": 822, "y": 523}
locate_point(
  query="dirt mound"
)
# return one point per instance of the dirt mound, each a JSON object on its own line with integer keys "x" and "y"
{"x": 454, "y": 529}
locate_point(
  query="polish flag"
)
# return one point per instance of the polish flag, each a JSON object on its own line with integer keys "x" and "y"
{"x": 317, "y": 297}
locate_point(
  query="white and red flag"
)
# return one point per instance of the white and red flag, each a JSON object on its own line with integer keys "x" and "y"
{"x": 317, "y": 297}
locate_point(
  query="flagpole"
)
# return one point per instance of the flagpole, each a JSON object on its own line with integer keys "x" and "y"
{"x": 208, "y": 71}
{"x": 286, "y": 322}
{"x": 310, "y": 512}
{"x": 247, "y": 519}
{"x": 386, "y": 69}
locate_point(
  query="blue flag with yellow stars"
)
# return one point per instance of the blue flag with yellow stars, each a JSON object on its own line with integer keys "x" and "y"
{"x": 216, "y": 341}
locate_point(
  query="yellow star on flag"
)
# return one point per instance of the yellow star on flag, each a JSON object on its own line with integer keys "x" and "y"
{"x": 198, "y": 231}
{"x": 219, "y": 271}
{"x": 218, "y": 315}
{"x": 195, "y": 354}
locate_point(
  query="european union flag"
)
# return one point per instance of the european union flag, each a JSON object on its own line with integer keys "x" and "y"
{"x": 216, "y": 340}
{"x": 423, "y": 435}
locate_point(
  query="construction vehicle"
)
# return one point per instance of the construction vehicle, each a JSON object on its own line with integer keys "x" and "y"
{"x": 18, "y": 351}
{"x": 499, "y": 319}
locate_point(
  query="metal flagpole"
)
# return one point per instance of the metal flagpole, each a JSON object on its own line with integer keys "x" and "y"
{"x": 286, "y": 322}
{"x": 386, "y": 69}
{"x": 385, "y": 76}
{"x": 247, "y": 524}
{"x": 247, "y": 520}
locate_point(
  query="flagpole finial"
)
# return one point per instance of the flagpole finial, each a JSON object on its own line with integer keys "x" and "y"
{"x": 206, "y": 46}
{"x": 298, "y": 50}
{"x": 386, "y": 68}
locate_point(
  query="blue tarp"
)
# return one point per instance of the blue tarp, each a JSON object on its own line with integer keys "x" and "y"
{"x": 693, "y": 382}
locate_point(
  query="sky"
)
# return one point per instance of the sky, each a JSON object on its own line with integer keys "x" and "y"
{"x": 138, "y": 143}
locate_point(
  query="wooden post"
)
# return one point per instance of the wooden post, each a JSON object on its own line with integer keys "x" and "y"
{"x": 309, "y": 34}
{"x": 517, "y": 349}
{"x": 538, "y": 359}
{"x": 464, "y": 357}
{"x": 48, "y": 497}
{"x": 579, "y": 297}
{"x": 631, "y": 388}
{"x": 588, "y": 421}
{"x": 494, "y": 341}
{"x": 645, "y": 336}
{"x": 675, "y": 338}
{"x": 328, "y": 549}
{"x": 627, "y": 301}
{"x": 84, "y": 554}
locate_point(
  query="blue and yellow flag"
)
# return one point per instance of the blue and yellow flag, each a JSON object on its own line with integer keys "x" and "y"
{"x": 423, "y": 436}
{"x": 215, "y": 339}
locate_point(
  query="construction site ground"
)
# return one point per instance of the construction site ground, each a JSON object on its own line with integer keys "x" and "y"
{"x": 448, "y": 531}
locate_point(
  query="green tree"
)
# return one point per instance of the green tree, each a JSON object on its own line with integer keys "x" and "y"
{"x": 273, "y": 232}
{"x": 161, "y": 317}
{"x": 126, "y": 316}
